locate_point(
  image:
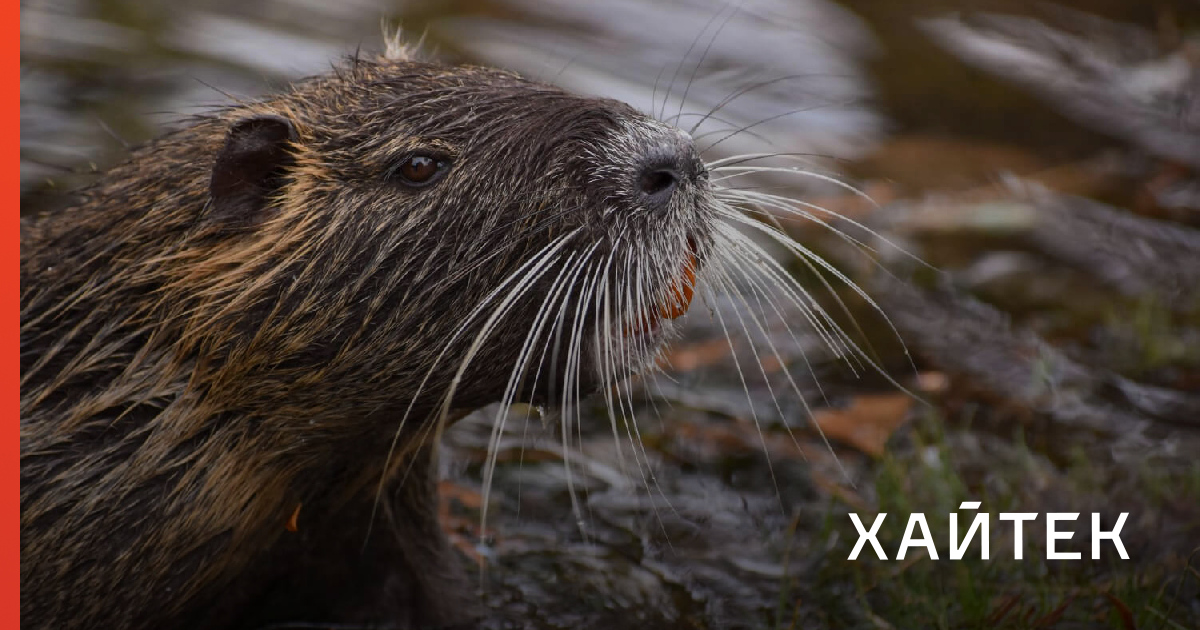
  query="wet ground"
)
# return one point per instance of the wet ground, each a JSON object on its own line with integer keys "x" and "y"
{"x": 1032, "y": 226}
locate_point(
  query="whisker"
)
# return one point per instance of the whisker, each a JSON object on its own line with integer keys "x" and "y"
{"x": 760, "y": 291}
{"x": 572, "y": 386}
{"x": 803, "y": 253}
{"x": 738, "y": 94}
{"x": 679, "y": 66}
{"x": 637, "y": 300}
{"x": 534, "y": 267}
{"x": 719, "y": 275}
{"x": 792, "y": 289}
{"x": 704, "y": 55}
{"x": 627, "y": 317}
{"x": 566, "y": 275}
{"x": 762, "y": 121}
{"x": 831, "y": 291}
{"x": 744, "y": 158}
{"x": 789, "y": 205}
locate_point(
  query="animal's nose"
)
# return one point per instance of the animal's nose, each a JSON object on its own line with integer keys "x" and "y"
{"x": 664, "y": 169}
{"x": 658, "y": 182}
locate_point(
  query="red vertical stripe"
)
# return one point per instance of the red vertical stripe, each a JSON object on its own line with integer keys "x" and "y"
{"x": 10, "y": 609}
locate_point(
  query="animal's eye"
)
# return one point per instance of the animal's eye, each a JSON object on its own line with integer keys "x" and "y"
{"x": 420, "y": 170}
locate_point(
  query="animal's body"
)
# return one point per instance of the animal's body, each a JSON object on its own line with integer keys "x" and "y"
{"x": 260, "y": 322}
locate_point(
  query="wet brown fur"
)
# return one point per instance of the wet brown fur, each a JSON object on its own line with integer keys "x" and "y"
{"x": 190, "y": 376}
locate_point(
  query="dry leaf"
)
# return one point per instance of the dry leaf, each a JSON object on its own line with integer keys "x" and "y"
{"x": 867, "y": 423}
{"x": 687, "y": 358}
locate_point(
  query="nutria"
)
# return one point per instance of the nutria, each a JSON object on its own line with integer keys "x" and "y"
{"x": 239, "y": 346}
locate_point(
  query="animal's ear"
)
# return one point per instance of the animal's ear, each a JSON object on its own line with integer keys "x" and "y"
{"x": 250, "y": 166}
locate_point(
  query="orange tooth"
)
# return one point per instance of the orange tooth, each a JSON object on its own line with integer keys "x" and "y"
{"x": 681, "y": 292}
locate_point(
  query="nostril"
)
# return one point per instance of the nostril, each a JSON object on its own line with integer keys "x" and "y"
{"x": 658, "y": 182}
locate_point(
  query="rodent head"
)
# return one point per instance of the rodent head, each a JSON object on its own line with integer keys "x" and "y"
{"x": 397, "y": 231}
